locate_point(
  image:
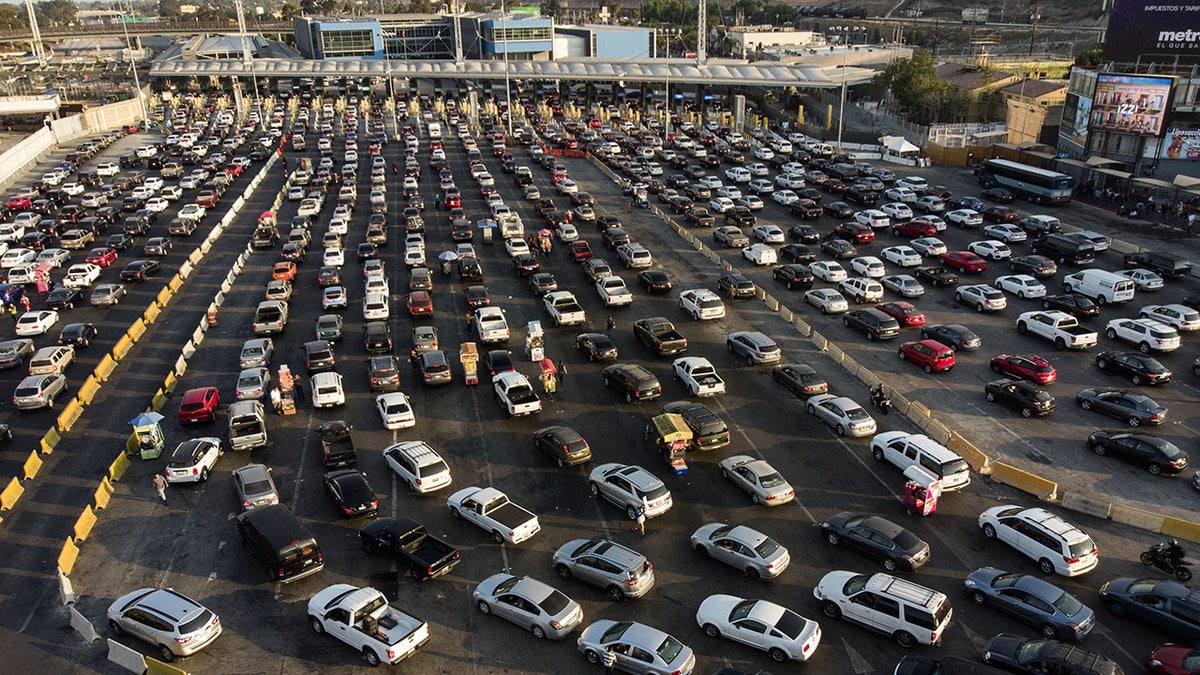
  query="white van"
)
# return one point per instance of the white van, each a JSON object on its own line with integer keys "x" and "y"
{"x": 1100, "y": 285}
{"x": 910, "y": 613}
{"x": 435, "y": 131}
{"x": 904, "y": 450}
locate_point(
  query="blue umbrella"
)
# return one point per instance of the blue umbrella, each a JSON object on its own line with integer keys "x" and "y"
{"x": 146, "y": 419}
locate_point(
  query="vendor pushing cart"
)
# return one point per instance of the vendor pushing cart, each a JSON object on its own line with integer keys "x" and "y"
{"x": 671, "y": 434}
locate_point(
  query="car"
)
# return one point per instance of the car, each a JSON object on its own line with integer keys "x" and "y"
{"x": 897, "y": 211}
{"x": 929, "y": 204}
{"x": 839, "y": 249}
{"x": 78, "y": 335}
{"x": 655, "y": 281}
{"x": 1021, "y": 655}
{"x": 252, "y": 383}
{"x": 839, "y": 210}
{"x": 1006, "y": 232}
{"x": 928, "y": 246}
{"x": 327, "y": 390}
{"x": 873, "y": 218}
{"x": 904, "y": 256}
{"x": 253, "y": 487}
{"x": 801, "y": 379}
{"x": 768, "y": 234}
{"x": 793, "y": 276}
{"x": 894, "y": 546}
{"x": 1029, "y": 367}
{"x": 630, "y": 488}
{"x": 875, "y": 324}
{"x": 901, "y": 194}
{"x": 333, "y": 297}
{"x": 736, "y": 285}
{"x": 1057, "y": 546}
{"x": 175, "y": 624}
{"x": 757, "y": 478}
{"x": 1139, "y": 368}
{"x": 1074, "y": 304}
{"x": 764, "y": 625}
{"x": 565, "y": 445}
{"x": 953, "y": 335}
{"x": 747, "y": 549}
{"x": 351, "y": 493}
{"x": 861, "y": 289}
{"x": 842, "y": 414}
{"x": 193, "y": 460}
{"x": 854, "y": 232}
{"x": 937, "y": 276}
{"x": 101, "y": 257}
{"x": 730, "y": 236}
{"x": 964, "y": 261}
{"x": 1180, "y": 317}
{"x": 395, "y": 410}
{"x": 964, "y": 217}
{"x": 998, "y": 195}
{"x": 760, "y": 254}
{"x": 638, "y": 648}
{"x": 1158, "y": 455}
{"x": 829, "y": 271}
{"x": 542, "y": 283}
{"x": 990, "y": 248}
{"x": 63, "y": 298}
{"x": 753, "y": 346}
{"x": 999, "y": 214}
{"x": 827, "y": 300}
{"x": 1143, "y": 279}
{"x": 529, "y": 603}
{"x": 904, "y": 285}
{"x": 1020, "y": 395}
{"x": 868, "y": 266}
{"x": 1039, "y": 266}
{"x": 903, "y": 312}
{"x": 39, "y": 391}
{"x": 1172, "y": 659}
{"x": 702, "y": 304}
{"x": 1149, "y": 335}
{"x": 797, "y": 253}
{"x": 982, "y": 297}
{"x": 931, "y": 355}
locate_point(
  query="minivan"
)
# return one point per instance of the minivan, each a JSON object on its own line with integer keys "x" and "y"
{"x": 1065, "y": 250}
{"x": 1100, "y": 285}
{"x": 53, "y": 359}
{"x": 281, "y": 542}
{"x": 247, "y": 425}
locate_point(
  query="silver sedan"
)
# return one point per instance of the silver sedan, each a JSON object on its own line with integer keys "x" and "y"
{"x": 758, "y": 479}
{"x": 747, "y": 549}
{"x": 539, "y": 607}
{"x": 779, "y": 631}
{"x": 252, "y": 384}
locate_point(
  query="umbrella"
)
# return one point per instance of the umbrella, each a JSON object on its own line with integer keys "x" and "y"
{"x": 448, "y": 256}
{"x": 146, "y": 419}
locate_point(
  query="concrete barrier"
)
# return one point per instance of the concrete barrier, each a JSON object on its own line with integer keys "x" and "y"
{"x": 176, "y": 281}
{"x": 49, "y": 441}
{"x": 136, "y": 330}
{"x": 1139, "y": 518}
{"x": 195, "y": 257}
{"x": 69, "y": 415}
{"x": 103, "y": 494}
{"x": 181, "y": 365}
{"x": 156, "y": 667}
{"x": 1085, "y": 504}
{"x": 84, "y": 524}
{"x": 169, "y": 382}
{"x": 151, "y": 313}
{"x": 32, "y": 465}
{"x": 159, "y": 400}
{"x": 118, "y": 467}
{"x": 66, "y": 590}
{"x": 1046, "y": 490}
{"x": 105, "y": 368}
{"x": 11, "y": 494}
{"x": 121, "y": 349}
{"x": 125, "y": 657}
{"x": 84, "y": 627}
{"x": 88, "y": 390}
{"x": 974, "y": 456}
{"x": 165, "y": 293}
{"x": 198, "y": 335}
{"x": 67, "y": 556}
{"x": 1181, "y": 529}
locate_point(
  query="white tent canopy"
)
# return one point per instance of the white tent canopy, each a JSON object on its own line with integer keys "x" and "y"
{"x": 898, "y": 145}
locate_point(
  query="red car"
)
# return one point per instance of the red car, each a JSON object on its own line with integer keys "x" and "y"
{"x": 17, "y": 203}
{"x": 284, "y": 271}
{"x": 1173, "y": 659}
{"x": 579, "y": 251}
{"x": 1000, "y": 214}
{"x": 903, "y": 312}
{"x": 453, "y": 200}
{"x": 420, "y": 304}
{"x": 1030, "y": 367}
{"x": 199, "y": 405}
{"x": 964, "y": 261}
{"x": 101, "y": 257}
{"x": 931, "y": 355}
{"x": 207, "y": 198}
{"x": 855, "y": 233}
{"x": 915, "y": 228}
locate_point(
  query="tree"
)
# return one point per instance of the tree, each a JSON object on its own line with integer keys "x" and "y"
{"x": 12, "y": 18}
{"x": 1090, "y": 59}
{"x": 289, "y": 11}
{"x": 551, "y": 8}
{"x": 56, "y": 12}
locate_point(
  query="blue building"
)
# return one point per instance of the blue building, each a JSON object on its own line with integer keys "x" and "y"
{"x": 490, "y": 36}
{"x": 607, "y": 42}
{"x": 339, "y": 39}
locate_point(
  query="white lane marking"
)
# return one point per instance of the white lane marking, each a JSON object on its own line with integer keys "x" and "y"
{"x": 860, "y": 665}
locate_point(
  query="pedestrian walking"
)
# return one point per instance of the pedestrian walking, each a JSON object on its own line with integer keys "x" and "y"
{"x": 276, "y": 400}
{"x": 1191, "y": 221}
{"x": 12, "y": 309}
{"x": 160, "y": 486}
{"x": 609, "y": 659}
{"x": 612, "y": 323}
{"x": 640, "y": 518}
{"x": 298, "y": 389}
{"x": 25, "y": 302}
{"x": 562, "y": 370}
{"x": 551, "y": 384}
{"x": 630, "y": 209}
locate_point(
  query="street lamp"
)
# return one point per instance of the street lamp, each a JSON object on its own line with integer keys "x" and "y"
{"x": 846, "y": 32}
{"x": 132, "y": 64}
{"x": 507, "y": 80}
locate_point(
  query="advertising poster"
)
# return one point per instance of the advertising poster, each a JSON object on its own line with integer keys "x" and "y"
{"x": 1157, "y": 27}
{"x": 1131, "y": 104}
{"x": 1077, "y": 114}
{"x": 1181, "y": 144}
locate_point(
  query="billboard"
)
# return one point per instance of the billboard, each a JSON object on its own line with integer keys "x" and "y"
{"x": 1153, "y": 27}
{"x": 1077, "y": 114}
{"x": 1181, "y": 144}
{"x": 1130, "y": 104}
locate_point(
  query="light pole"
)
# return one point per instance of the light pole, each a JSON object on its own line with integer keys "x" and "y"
{"x": 132, "y": 64}
{"x": 507, "y": 80}
{"x": 846, "y": 32}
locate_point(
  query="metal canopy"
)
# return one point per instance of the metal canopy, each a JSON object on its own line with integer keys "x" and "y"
{"x": 721, "y": 72}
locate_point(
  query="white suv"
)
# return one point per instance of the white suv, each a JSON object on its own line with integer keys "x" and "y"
{"x": 418, "y": 465}
{"x": 701, "y": 303}
{"x": 982, "y": 297}
{"x": 1056, "y": 545}
{"x": 910, "y": 613}
{"x": 904, "y": 450}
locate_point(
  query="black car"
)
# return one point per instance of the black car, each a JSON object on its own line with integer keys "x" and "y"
{"x": 432, "y": 368}
{"x": 377, "y": 337}
{"x": 524, "y": 264}
{"x": 318, "y": 356}
{"x": 838, "y": 209}
{"x": 839, "y": 249}
{"x": 953, "y": 335}
{"x": 655, "y": 281}
{"x": 1021, "y": 395}
{"x": 383, "y": 373}
{"x": 77, "y": 334}
{"x": 936, "y": 275}
{"x": 351, "y": 493}
{"x": 564, "y": 444}
{"x": 880, "y": 538}
{"x": 1158, "y": 455}
{"x": 140, "y": 270}
{"x": 1022, "y": 655}
{"x": 797, "y": 253}
{"x": 329, "y": 275}
{"x": 469, "y": 269}
{"x": 1139, "y": 368}
{"x": 158, "y": 246}
{"x": 1076, "y": 305}
{"x": 998, "y": 195}
{"x": 1037, "y": 266}
{"x": 634, "y": 381}
{"x": 861, "y": 194}
{"x": 805, "y": 234}
{"x": 806, "y": 209}
{"x": 62, "y": 297}
{"x": 542, "y": 283}
{"x": 736, "y": 286}
{"x": 1134, "y": 407}
{"x": 477, "y": 296}
{"x": 876, "y": 324}
{"x": 37, "y": 241}
{"x": 597, "y": 346}
{"x": 498, "y": 361}
{"x": 801, "y": 379}
{"x": 367, "y": 251}
{"x": 793, "y": 276}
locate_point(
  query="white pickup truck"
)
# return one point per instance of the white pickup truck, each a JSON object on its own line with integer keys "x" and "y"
{"x": 491, "y": 325}
{"x": 515, "y": 394}
{"x": 490, "y": 509}
{"x": 698, "y": 375}
{"x": 363, "y": 619}
{"x": 564, "y": 308}
{"x": 1058, "y": 327}
{"x": 613, "y": 291}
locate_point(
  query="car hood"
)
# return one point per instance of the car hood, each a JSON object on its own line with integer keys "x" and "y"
{"x": 1003, "y": 648}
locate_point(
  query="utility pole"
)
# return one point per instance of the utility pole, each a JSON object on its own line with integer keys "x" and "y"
{"x": 701, "y": 32}
{"x": 1035, "y": 18}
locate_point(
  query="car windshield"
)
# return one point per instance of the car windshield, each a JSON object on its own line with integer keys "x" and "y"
{"x": 767, "y": 548}
{"x": 257, "y": 487}
{"x": 669, "y": 650}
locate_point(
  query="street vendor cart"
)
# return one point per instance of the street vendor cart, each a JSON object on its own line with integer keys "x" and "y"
{"x": 468, "y": 354}
{"x": 922, "y": 491}
{"x": 672, "y": 436}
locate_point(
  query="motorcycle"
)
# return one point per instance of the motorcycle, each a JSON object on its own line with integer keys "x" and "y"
{"x": 395, "y": 167}
{"x": 881, "y": 401}
{"x": 1168, "y": 557}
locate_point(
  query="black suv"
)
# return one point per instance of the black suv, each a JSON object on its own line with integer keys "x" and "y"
{"x": 377, "y": 338}
{"x": 709, "y": 431}
{"x": 736, "y": 286}
{"x": 637, "y": 383}
{"x": 318, "y": 356}
{"x": 383, "y": 373}
{"x": 876, "y": 324}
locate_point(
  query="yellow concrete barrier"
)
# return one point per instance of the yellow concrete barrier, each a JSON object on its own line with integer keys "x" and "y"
{"x": 11, "y": 493}
{"x": 151, "y": 313}
{"x": 174, "y": 285}
{"x": 50, "y": 441}
{"x": 160, "y": 399}
{"x": 195, "y": 257}
{"x": 164, "y": 294}
{"x": 105, "y": 368}
{"x": 104, "y": 493}
{"x": 974, "y": 456}
{"x": 88, "y": 390}
{"x": 70, "y": 413}
{"x": 68, "y": 556}
{"x": 169, "y": 382}
{"x": 1023, "y": 480}
{"x": 118, "y": 468}
{"x": 136, "y": 330}
{"x": 1181, "y": 529}
{"x": 84, "y": 524}
{"x": 121, "y": 349}
{"x": 131, "y": 444}
{"x": 32, "y": 465}
{"x": 156, "y": 667}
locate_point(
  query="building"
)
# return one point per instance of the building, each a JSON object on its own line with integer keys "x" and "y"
{"x": 495, "y": 35}
{"x": 981, "y": 84}
{"x": 346, "y": 39}
{"x": 751, "y": 40}
{"x": 609, "y": 42}
{"x": 207, "y": 47}
{"x": 1034, "y": 110}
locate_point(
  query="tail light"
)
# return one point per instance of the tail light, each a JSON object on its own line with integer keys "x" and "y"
{"x": 183, "y": 640}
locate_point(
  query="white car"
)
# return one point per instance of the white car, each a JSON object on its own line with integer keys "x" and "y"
{"x": 414, "y": 257}
{"x": 334, "y": 257}
{"x": 1021, "y": 285}
{"x": 295, "y": 193}
{"x": 758, "y": 169}
{"x": 1056, "y": 545}
{"x": 904, "y": 285}
{"x": 982, "y": 297}
{"x": 873, "y": 218}
{"x": 730, "y": 191}
{"x": 193, "y": 461}
{"x": 566, "y": 233}
{"x": 828, "y": 270}
{"x": 327, "y": 390}
{"x": 761, "y": 186}
{"x": 1179, "y": 317}
{"x": 171, "y": 192}
{"x": 738, "y": 174}
{"x": 964, "y": 217}
{"x": 93, "y": 200}
{"x": 395, "y": 410}
{"x": 710, "y": 182}
{"x": 1149, "y": 335}
{"x": 768, "y": 234}
{"x": 785, "y": 197}
{"x": 928, "y": 246}
{"x": 106, "y": 169}
{"x": 720, "y": 204}
{"x": 930, "y": 204}
{"x": 842, "y": 413}
{"x": 155, "y": 183}
{"x": 81, "y": 275}
{"x": 764, "y": 625}
{"x": 54, "y": 257}
{"x": 760, "y": 254}
{"x": 419, "y": 466}
{"x": 701, "y": 304}
{"x": 991, "y": 249}
{"x": 863, "y": 290}
{"x": 904, "y": 256}
{"x": 17, "y": 256}
{"x": 752, "y": 202}
{"x": 827, "y": 300}
{"x": 635, "y": 256}
{"x": 869, "y": 266}
{"x": 309, "y": 207}
{"x": 1006, "y": 232}
{"x": 516, "y": 246}
{"x": 790, "y": 181}
{"x": 763, "y": 152}
{"x": 902, "y": 194}
{"x": 613, "y": 291}
{"x": 73, "y": 189}
{"x": 568, "y": 187}
{"x": 1143, "y": 279}
{"x": 36, "y": 322}
{"x": 192, "y": 212}
{"x": 897, "y": 210}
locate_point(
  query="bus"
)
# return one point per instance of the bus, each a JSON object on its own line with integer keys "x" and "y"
{"x": 1038, "y": 186}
